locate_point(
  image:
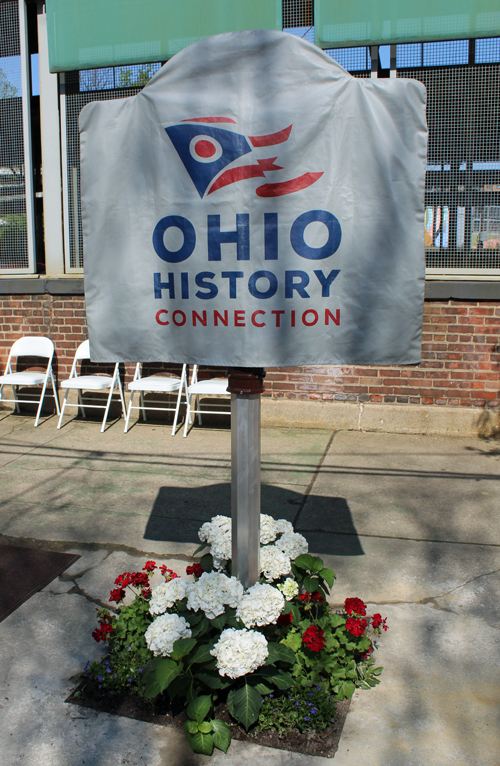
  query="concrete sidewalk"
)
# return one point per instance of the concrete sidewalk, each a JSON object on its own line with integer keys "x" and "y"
{"x": 410, "y": 524}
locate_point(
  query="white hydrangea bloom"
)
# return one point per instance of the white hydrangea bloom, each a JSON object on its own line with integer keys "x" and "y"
{"x": 260, "y": 605}
{"x": 166, "y": 594}
{"x": 239, "y": 652}
{"x": 282, "y": 526}
{"x": 289, "y": 588}
{"x": 273, "y": 563}
{"x": 217, "y": 533}
{"x": 164, "y": 632}
{"x": 212, "y": 592}
{"x": 268, "y": 530}
{"x": 292, "y": 544}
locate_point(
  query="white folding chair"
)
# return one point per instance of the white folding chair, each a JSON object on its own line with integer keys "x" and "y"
{"x": 30, "y": 346}
{"x": 90, "y": 383}
{"x": 209, "y": 387}
{"x": 155, "y": 384}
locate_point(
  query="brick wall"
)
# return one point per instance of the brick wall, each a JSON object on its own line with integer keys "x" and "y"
{"x": 460, "y": 355}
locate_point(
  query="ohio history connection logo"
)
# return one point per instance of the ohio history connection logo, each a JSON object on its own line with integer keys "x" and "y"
{"x": 212, "y": 157}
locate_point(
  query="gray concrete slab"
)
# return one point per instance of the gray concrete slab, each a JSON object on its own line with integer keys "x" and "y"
{"x": 431, "y": 488}
{"x": 409, "y": 524}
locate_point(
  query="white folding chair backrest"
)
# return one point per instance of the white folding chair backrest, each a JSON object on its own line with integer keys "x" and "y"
{"x": 83, "y": 351}
{"x": 208, "y": 387}
{"x": 30, "y": 345}
{"x": 155, "y": 384}
{"x": 93, "y": 382}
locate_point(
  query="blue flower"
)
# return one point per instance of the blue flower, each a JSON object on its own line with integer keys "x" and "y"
{"x": 313, "y": 711}
{"x": 318, "y": 688}
{"x": 99, "y": 678}
{"x": 311, "y": 694}
{"x": 271, "y": 695}
{"x": 130, "y": 680}
{"x": 307, "y": 718}
{"x": 140, "y": 670}
{"x": 297, "y": 704}
{"x": 115, "y": 675}
{"x": 108, "y": 670}
{"x": 87, "y": 666}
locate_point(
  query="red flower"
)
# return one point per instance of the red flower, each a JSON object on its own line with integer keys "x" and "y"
{"x": 316, "y": 596}
{"x": 100, "y": 633}
{"x": 146, "y": 593}
{"x": 305, "y": 597}
{"x": 123, "y": 580}
{"x": 378, "y": 622}
{"x": 313, "y": 638}
{"x": 139, "y": 579}
{"x": 117, "y": 595}
{"x": 149, "y": 566}
{"x": 285, "y": 619}
{"x": 195, "y": 569}
{"x": 368, "y": 652}
{"x": 167, "y": 573}
{"x": 356, "y": 626}
{"x": 354, "y": 605}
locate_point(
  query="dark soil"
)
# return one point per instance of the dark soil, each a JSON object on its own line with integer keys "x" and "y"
{"x": 162, "y": 713}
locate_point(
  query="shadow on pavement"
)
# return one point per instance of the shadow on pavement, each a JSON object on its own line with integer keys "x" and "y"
{"x": 178, "y": 513}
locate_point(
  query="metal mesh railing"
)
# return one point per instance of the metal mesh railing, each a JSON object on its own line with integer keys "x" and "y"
{"x": 462, "y": 199}
{"x": 462, "y": 194}
{"x": 13, "y": 231}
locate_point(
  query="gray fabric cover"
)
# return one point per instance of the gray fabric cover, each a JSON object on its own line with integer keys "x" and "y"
{"x": 368, "y": 139}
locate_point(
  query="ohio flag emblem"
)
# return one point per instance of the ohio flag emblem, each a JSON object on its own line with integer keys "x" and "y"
{"x": 207, "y": 151}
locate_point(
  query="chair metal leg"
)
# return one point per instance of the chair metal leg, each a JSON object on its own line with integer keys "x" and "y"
{"x": 197, "y": 404}
{"x": 16, "y": 405}
{"x": 55, "y": 392}
{"x": 141, "y": 401}
{"x": 111, "y": 389}
{"x": 188, "y": 415}
{"x": 80, "y": 403}
{"x": 129, "y": 411}
{"x": 63, "y": 407}
{"x": 177, "y": 407}
{"x": 42, "y": 397}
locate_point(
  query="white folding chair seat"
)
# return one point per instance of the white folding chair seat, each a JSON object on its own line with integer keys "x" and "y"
{"x": 90, "y": 383}
{"x": 38, "y": 346}
{"x": 155, "y": 384}
{"x": 197, "y": 388}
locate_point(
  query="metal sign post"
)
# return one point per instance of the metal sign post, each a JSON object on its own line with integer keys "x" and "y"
{"x": 245, "y": 386}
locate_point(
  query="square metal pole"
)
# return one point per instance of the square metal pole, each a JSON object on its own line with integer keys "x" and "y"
{"x": 245, "y": 387}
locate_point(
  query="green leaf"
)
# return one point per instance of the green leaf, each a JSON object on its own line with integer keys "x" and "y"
{"x": 280, "y": 653}
{"x": 200, "y": 548}
{"x": 182, "y": 647}
{"x": 212, "y": 680}
{"x": 198, "y": 708}
{"x": 178, "y": 687}
{"x": 293, "y": 641}
{"x": 201, "y": 743}
{"x": 336, "y": 620}
{"x": 222, "y": 734}
{"x": 218, "y": 622}
{"x": 194, "y": 617}
{"x": 244, "y": 704}
{"x": 304, "y": 561}
{"x": 158, "y": 675}
{"x": 190, "y": 727}
{"x": 201, "y": 628}
{"x": 262, "y": 688}
{"x": 205, "y": 727}
{"x": 327, "y": 574}
{"x": 275, "y": 676}
{"x": 202, "y": 654}
{"x": 207, "y": 562}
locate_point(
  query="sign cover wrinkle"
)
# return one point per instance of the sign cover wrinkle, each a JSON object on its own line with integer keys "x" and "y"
{"x": 255, "y": 205}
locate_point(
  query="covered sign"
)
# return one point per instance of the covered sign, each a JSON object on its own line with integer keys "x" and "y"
{"x": 255, "y": 205}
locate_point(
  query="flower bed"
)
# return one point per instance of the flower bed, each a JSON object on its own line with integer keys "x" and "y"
{"x": 274, "y": 658}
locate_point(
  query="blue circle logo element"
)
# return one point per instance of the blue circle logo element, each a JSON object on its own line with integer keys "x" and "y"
{"x": 187, "y": 228}
{"x": 316, "y": 253}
